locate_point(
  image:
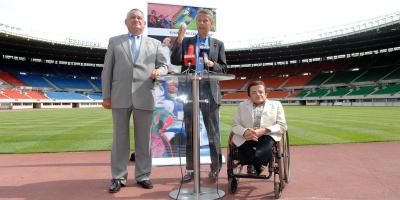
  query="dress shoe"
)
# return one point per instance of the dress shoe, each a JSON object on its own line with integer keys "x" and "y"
{"x": 213, "y": 175}
{"x": 188, "y": 177}
{"x": 116, "y": 185}
{"x": 146, "y": 184}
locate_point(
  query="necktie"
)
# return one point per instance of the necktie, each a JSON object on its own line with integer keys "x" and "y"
{"x": 134, "y": 48}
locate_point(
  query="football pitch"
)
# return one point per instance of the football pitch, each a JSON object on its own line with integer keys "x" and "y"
{"x": 90, "y": 129}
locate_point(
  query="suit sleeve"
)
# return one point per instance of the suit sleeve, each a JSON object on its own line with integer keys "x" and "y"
{"x": 161, "y": 60}
{"x": 237, "y": 127}
{"x": 220, "y": 64}
{"x": 176, "y": 55}
{"x": 280, "y": 127}
{"x": 107, "y": 73}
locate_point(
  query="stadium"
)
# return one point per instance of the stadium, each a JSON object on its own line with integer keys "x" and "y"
{"x": 336, "y": 76}
{"x": 356, "y": 65}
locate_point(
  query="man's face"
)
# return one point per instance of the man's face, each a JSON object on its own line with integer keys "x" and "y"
{"x": 135, "y": 23}
{"x": 167, "y": 42}
{"x": 203, "y": 23}
{"x": 257, "y": 94}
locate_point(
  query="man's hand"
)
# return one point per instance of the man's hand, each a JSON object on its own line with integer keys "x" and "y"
{"x": 250, "y": 134}
{"x": 210, "y": 63}
{"x": 107, "y": 103}
{"x": 155, "y": 73}
{"x": 181, "y": 33}
{"x": 261, "y": 131}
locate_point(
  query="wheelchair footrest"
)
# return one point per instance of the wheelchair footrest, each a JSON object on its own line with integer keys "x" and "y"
{"x": 252, "y": 176}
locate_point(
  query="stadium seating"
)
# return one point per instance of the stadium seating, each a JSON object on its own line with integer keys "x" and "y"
{"x": 319, "y": 92}
{"x": 373, "y": 75}
{"x": 277, "y": 94}
{"x": 15, "y": 94}
{"x": 74, "y": 83}
{"x": 274, "y": 82}
{"x": 232, "y": 84}
{"x": 2, "y": 96}
{"x": 303, "y": 93}
{"x": 10, "y": 79}
{"x": 393, "y": 75}
{"x": 97, "y": 83}
{"x": 297, "y": 81}
{"x": 319, "y": 79}
{"x": 388, "y": 89}
{"x": 339, "y": 92}
{"x": 364, "y": 90}
{"x": 95, "y": 96}
{"x": 295, "y": 93}
{"x": 35, "y": 95}
{"x": 34, "y": 80}
{"x": 343, "y": 77}
{"x": 236, "y": 95}
{"x": 66, "y": 96}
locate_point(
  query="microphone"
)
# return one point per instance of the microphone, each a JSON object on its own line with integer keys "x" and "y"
{"x": 204, "y": 51}
{"x": 189, "y": 59}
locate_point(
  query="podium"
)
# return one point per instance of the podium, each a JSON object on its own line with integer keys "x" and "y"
{"x": 197, "y": 192}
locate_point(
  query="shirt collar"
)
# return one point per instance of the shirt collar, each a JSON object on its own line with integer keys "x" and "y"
{"x": 130, "y": 35}
{"x": 202, "y": 40}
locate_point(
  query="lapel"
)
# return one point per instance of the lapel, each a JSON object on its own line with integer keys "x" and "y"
{"x": 249, "y": 107}
{"x": 142, "y": 48}
{"x": 125, "y": 46}
{"x": 212, "y": 48}
{"x": 266, "y": 110}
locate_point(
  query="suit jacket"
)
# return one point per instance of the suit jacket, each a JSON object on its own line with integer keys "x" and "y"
{"x": 216, "y": 54}
{"x": 272, "y": 118}
{"x": 129, "y": 83}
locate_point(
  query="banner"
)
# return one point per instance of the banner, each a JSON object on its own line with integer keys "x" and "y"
{"x": 168, "y": 135}
{"x": 165, "y": 19}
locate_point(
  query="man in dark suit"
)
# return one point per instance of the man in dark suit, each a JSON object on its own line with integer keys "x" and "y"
{"x": 209, "y": 89}
{"x": 131, "y": 64}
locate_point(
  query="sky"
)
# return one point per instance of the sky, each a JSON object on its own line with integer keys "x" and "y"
{"x": 237, "y": 21}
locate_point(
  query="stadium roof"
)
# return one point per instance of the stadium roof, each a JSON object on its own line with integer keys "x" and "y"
{"x": 375, "y": 39}
{"x": 382, "y": 37}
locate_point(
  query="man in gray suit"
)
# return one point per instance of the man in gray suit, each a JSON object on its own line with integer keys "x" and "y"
{"x": 209, "y": 89}
{"x": 131, "y": 64}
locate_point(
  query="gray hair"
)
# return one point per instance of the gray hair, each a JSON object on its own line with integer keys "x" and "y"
{"x": 133, "y": 10}
{"x": 207, "y": 12}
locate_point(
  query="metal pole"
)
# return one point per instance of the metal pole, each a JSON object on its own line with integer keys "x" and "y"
{"x": 196, "y": 138}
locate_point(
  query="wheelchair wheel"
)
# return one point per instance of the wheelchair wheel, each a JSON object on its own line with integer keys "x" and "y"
{"x": 231, "y": 170}
{"x": 277, "y": 186}
{"x": 286, "y": 157}
{"x": 232, "y": 184}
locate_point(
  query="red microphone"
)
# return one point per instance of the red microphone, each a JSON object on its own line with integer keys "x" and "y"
{"x": 189, "y": 59}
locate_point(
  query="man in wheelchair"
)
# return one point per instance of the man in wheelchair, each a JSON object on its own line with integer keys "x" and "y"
{"x": 258, "y": 124}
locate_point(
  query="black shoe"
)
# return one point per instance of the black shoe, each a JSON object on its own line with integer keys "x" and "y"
{"x": 188, "y": 177}
{"x": 259, "y": 170}
{"x": 213, "y": 175}
{"x": 251, "y": 170}
{"x": 146, "y": 184}
{"x": 116, "y": 185}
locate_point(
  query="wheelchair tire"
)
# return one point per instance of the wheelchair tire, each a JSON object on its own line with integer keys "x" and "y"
{"x": 232, "y": 185}
{"x": 286, "y": 158}
{"x": 277, "y": 187}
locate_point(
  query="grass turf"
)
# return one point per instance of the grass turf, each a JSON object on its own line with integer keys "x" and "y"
{"x": 91, "y": 129}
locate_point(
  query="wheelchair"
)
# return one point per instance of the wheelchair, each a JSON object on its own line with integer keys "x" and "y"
{"x": 278, "y": 167}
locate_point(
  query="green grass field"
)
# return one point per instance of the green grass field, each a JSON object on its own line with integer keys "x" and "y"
{"x": 91, "y": 129}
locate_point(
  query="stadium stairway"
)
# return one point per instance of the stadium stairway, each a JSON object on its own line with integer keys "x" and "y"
{"x": 52, "y": 84}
